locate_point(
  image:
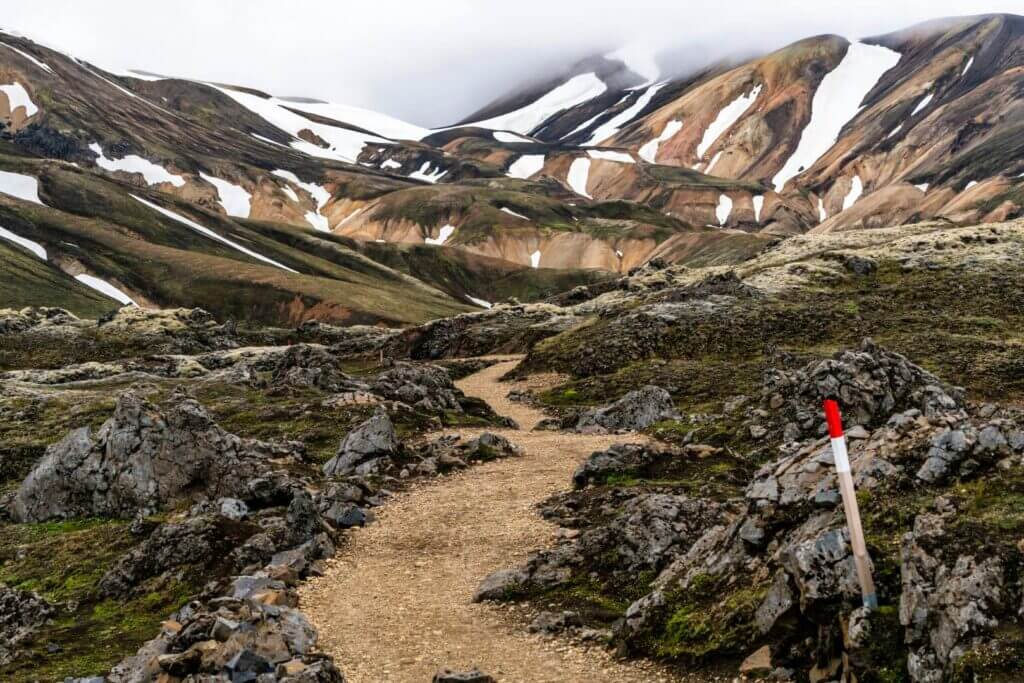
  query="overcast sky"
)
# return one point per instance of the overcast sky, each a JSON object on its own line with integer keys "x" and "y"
{"x": 433, "y": 62}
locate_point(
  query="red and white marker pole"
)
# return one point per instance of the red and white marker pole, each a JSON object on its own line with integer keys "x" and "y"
{"x": 842, "y": 460}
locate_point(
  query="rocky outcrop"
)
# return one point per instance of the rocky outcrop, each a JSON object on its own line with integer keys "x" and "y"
{"x": 635, "y": 411}
{"x": 143, "y": 459}
{"x": 618, "y": 459}
{"x": 21, "y": 613}
{"x": 363, "y": 449}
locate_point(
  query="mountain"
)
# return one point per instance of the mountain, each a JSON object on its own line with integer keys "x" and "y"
{"x": 167, "y": 192}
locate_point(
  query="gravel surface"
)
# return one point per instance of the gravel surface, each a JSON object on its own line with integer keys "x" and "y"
{"x": 395, "y": 603}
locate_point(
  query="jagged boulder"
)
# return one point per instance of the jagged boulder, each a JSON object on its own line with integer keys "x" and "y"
{"x": 21, "y": 613}
{"x": 143, "y": 459}
{"x": 426, "y": 387}
{"x": 364, "y": 446}
{"x": 870, "y": 384}
{"x": 635, "y": 411}
{"x": 618, "y": 459}
{"x": 309, "y": 366}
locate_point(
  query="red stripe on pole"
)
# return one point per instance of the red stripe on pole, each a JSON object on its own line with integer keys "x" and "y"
{"x": 835, "y": 422}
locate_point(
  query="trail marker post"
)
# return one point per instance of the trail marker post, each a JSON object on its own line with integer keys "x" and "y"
{"x": 842, "y": 461}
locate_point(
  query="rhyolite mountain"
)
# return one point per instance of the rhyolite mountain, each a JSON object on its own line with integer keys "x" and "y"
{"x": 130, "y": 187}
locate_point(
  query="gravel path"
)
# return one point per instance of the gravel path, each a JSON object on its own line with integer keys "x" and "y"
{"x": 395, "y": 603}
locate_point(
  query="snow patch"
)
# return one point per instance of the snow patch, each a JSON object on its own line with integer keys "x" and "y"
{"x": 714, "y": 161}
{"x": 105, "y": 288}
{"x": 535, "y": 259}
{"x": 856, "y": 190}
{"x": 390, "y": 163}
{"x": 479, "y": 302}
{"x": 21, "y": 186}
{"x": 612, "y": 125}
{"x": 970, "y": 185}
{"x": 17, "y": 96}
{"x": 209, "y": 233}
{"x": 34, "y": 247}
{"x": 895, "y": 130}
{"x": 513, "y": 213}
{"x": 923, "y": 187}
{"x": 235, "y": 200}
{"x": 442, "y": 237}
{"x": 505, "y": 136}
{"x": 576, "y": 90}
{"x": 343, "y": 144}
{"x": 320, "y": 195}
{"x": 526, "y": 165}
{"x": 426, "y": 174}
{"x": 649, "y": 150}
{"x": 922, "y": 104}
{"x": 620, "y": 157}
{"x": 29, "y": 57}
{"x": 758, "y": 205}
{"x": 970, "y": 63}
{"x": 153, "y": 173}
{"x": 724, "y": 209}
{"x": 375, "y": 122}
{"x": 579, "y": 172}
{"x": 836, "y": 102}
{"x": 728, "y": 116}
{"x": 822, "y": 213}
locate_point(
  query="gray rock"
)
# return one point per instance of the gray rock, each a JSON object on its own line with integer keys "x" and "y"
{"x": 232, "y": 508}
{"x": 141, "y": 459}
{"x": 21, "y": 614}
{"x": 447, "y": 675}
{"x": 500, "y": 584}
{"x": 635, "y": 411}
{"x": 373, "y": 439}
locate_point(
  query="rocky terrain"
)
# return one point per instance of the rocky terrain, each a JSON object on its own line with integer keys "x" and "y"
{"x": 295, "y": 392}
{"x": 171, "y": 481}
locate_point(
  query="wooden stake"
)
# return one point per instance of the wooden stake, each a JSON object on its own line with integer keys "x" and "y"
{"x": 849, "y": 494}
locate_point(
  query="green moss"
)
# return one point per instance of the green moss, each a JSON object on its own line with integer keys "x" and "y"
{"x": 706, "y": 623}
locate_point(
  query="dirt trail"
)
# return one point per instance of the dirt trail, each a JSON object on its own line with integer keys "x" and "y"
{"x": 395, "y": 603}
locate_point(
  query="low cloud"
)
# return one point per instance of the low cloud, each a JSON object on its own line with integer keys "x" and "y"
{"x": 433, "y": 63}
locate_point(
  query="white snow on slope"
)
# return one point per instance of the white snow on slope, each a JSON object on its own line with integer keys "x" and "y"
{"x": 235, "y": 200}
{"x": 375, "y": 122}
{"x": 209, "y": 233}
{"x": 724, "y": 209}
{"x": 836, "y": 102}
{"x": 649, "y": 150}
{"x": 579, "y": 172}
{"x": 526, "y": 165}
{"x": 29, "y": 57}
{"x": 923, "y": 187}
{"x": 390, "y": 163}
{"x": 505, "y": 136}
{"x": 105, "y": 288}
{"x": 758, "y": 205}
{"x": 612, "y": 125}
{"x": 133, "y": 163}
{"x": 535, "y": 259}
{"x": 426, "y": 174}
{"x": 479, "y": 302}
{"x": 291, "y": 193}
{"x": 970, "y": 185}
{"x": 344, "y": 144}
{"x": 922, "y": 104}
{"x": 513, "y": 213}
{"x": 17, "y": 96}
{"x": 576, "y": 90}
{"x": 729, "y": 115}
{"x": 639, "y": 58}
{"x": 608, "y": 155}
{"x": 822, "y": 213}
{"x": 895, "y": 130}
{"x": 34, "y": 247}
{"x": 320, "y": 195}
{"x": 856, "y": 190}
{"x": 442, "y": 236}
{"x": 967, "y": 67}
{"x": 21, "y": 186}
{"x": 714, "y": 161}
